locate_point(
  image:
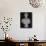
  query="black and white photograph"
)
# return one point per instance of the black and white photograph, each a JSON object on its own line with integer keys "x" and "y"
{"x": 26, "y": 19}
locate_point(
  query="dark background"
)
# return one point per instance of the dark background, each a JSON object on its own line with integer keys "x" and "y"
{"x": 22, "y": 16}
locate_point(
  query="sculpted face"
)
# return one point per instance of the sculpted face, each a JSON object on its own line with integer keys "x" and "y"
{"x": 35, "y": 3}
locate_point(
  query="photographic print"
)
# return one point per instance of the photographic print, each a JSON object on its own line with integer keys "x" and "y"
{"x": 26, "y": 19}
